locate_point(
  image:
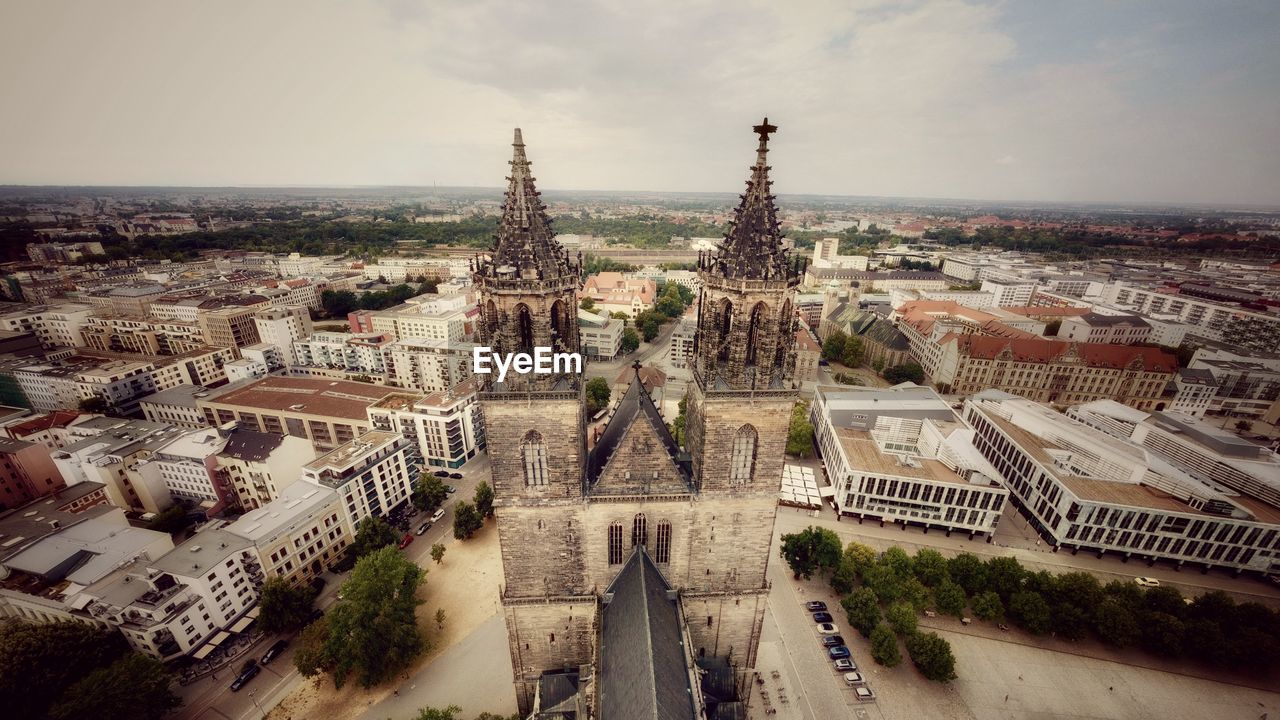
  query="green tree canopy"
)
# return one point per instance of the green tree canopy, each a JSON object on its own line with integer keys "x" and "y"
{"x": 1115, "y": 624}
{"x": 57, "y": 654}
{"x": 598, "y": 392}
{"x": 833, "y": 346}
{"x": 987, "y": 606}
{"x": 134, "y": 686}
{"x": 1031, "y": 612}
{"x": 283, "y": 607}
{"x": 969, "y": 571}
{"x": 902, "y": 617}
{"x": 862, "y": 610}
{"x": 930, "y": 567}
{"x": 800, "y": 432}
{"x": 429, "y": 492}
{"x": 484, "y": 500}
{"x": 853, "y": 561}
{"x": 884, "y": 646}
{"x": 372, "y": 534}
{"x": 630, "y": 340}
{"x": 950, "y": 598}
{"x": 466, "y": 520}
{"x": 932, "y": 656}
{"x": 910, "y": 371}
{"x": 811, "y": 550}
{"x": 437, "y": 553}
{"x": 853, "y": 352}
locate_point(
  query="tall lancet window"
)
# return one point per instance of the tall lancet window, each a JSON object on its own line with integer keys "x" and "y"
{"x": 662, "y": 551}
{"x": 639, "y": 531}
{"x": 744, "y": 455}
{"x": 534, "y": 452}
{"x": 615, "y": 543}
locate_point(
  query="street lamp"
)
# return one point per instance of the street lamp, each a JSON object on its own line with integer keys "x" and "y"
{"x": 252, "y": 696}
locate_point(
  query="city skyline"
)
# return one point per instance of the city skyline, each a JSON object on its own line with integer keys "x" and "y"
{"x": 938, "y": 100}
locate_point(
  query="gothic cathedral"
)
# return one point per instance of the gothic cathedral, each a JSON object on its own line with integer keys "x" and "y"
{"x": 634, "y": 569}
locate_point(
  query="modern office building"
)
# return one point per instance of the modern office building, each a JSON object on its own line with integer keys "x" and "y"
{"x": 370, "y": 474}
{"x": 327, "y": 412}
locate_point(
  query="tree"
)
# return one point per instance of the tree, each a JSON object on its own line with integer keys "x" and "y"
{"x": 56, "y": 655}
{"x": 905, "y": 372}
{"x": 484, "y": 499}
{"x": 312, "y": 656}
{"x": 429, "y": 492}
{"x": 852, "y": 353}
{"x": 897, "y": 560}
{"x": 430, "y": 713}
{"x": 1115, "y": 623}
{"x": 372, "y": 534}
{"x": 950, "y": 598}
{"x": 1166, "y": 600}
{"x": 932, "y": 656}
{"x": 811, "y": 550}
{"x": 929, "y": 566}
{"x": 902, "y": 617}
{"x": 1162, "y": 633}
{"x": 669, "y": 305}
{"x": 1244, "y": 425}
{"x": 170, "y": 520}
{"x": 466, "y": 520}
{"x": 597, "y": 395}
{"x": 856, "y": 558}
{"x": 1030, "y": 611}
{"x": 649, "y": 323}
{"x": 373, "y": 633}
{"x": 338, "y": 303}
{"x": 800, "y": 432}
{"x": 134, "y": 686}
{"x": 862, "y": 610}
{"x": 437, "y": 553}
{"x": 969, "y": 571}
{"x": 1004, "y": 575}
{"x": 987, "y": 606}
{"x": 630, "y": 340}
{"x": 95, "y": 405}
{"x": 587, "y": 304}
{"x": 283, "y": 607}
{"x": 884, "y": 646}
{"x": 833, "y": 346}
{"x": 882, "y": 581}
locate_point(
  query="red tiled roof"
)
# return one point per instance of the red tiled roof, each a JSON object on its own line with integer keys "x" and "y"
{"x": 1043, "y": 350}
{"x": 805, "y": 342}
{"x": 58, "y": 418}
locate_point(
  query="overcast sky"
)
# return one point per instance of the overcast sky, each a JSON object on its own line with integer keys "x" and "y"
{"x": 1070, "y": 100}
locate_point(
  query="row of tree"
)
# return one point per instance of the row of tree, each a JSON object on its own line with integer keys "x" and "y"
{"x": 1211, "y": 628}
{"x": 337, "y": 303}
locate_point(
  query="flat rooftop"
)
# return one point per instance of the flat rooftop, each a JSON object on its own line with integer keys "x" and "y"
{"x": 344, "y": 455}
{"x": 312, "y": 396}
{"x": 864, "y": 454}
{"x": 201, "y": 552}
{"x": 297, "y": 502}
{"x": 180, "y": 396}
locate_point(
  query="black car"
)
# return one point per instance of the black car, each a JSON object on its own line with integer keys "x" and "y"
{"x": 455, "y": 476}
{"x": 822, "y": 617}
{"x": 316, "y": 614}
{"x": 442, "y": 473}
{"x": 815, "y": 606}
{"x": 832, "y": 640}
{"x": 244, "y": 677}
{"x": 275, "y": 649}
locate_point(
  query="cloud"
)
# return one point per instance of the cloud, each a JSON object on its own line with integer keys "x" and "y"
{"x": 872, "y": 98}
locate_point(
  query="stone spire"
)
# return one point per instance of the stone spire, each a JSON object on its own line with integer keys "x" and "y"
{"x": 525, "y": 247}
{"x": 752, "y": 249}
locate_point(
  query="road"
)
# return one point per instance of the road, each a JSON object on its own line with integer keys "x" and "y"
{"x": 211, "y": 696}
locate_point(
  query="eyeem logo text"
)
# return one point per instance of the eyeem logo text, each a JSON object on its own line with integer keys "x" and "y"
{"x": 542, "y": 362}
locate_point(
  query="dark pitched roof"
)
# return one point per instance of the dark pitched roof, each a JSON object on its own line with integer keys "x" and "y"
{"x": 634, "y": 405}
{"x": 642, "y": 656}
{"x": 251, "y": 445}
{"x": 558, "y": 694}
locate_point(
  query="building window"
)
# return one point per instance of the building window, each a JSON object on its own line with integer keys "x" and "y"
{"x": 615, "y": 543}
{"x": 534, "y": 452}
{"x": 744, "y": 455}
{"x": 662, "y": 553}
{"x": 639, "y": 531}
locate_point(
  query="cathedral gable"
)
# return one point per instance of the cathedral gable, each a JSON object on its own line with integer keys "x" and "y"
{"x": 636, "y": 453}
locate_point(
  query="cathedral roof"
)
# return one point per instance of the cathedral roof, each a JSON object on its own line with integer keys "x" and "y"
{"x": 635, "y": 406}
{"x": 752, "y": 249}
{"x": 643, "y": 671}
{"x": 526, "y": 247}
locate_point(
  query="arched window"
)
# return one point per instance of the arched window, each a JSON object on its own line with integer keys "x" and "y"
{"x": 524, "y": 324}
{"x": 726, "y": 327}
{"x": 744, "y": 455}
{"x": 754, "y": 330}
{"x": 615, "y": 543}
{"x": 662, "y": 551}
{"x": 639, "y": 531}
{"x": 534, "y": 453}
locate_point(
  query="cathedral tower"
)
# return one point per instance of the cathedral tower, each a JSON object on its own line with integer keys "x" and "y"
{"x": 744, "y": 350}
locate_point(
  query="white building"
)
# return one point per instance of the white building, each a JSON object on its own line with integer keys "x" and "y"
{"x": 175, "y": 406}
{"x": 54, "y": 325}
{"x": 370, "y": 474}
{"x": 298, "y": 535}
{"x": 282, "y": 326}
{"x": 1099, "y": 328}
{"x": 350, "y": 352}
{"x": 428, "y": 365}
{"x": 447, "y": 426}
{"x": 600, "y": 335}
{"x": 1010, "y": 293}
{"x": 188, "y": 466}
{"x": 902, "y": 455}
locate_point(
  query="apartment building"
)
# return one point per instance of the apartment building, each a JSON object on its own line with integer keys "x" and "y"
{"x": 902, "y": 455}
{"x": 428, "y": 365}
{"x": 175, "y": 406}
{"x": 231, "y": 322}
{"x": 327, "y": 412}
{"x": 64, "y": 384}
{"x": 282, "y": 327}
{"x": 681, "y": 340}
{"x": 1098, "y": 328}
{"x": 1086, "y": 489}
{"x": 56, "y": 326}
{"x": 1209, "y": 319}
{"x": 145, "y": 336}
{"x": 259, "y": 466}
{"x": 27, "y": 472}
{"x": 1246, "y": 386}
{"x": 47, "y": 429}
{"x": 1193, "y": 392}
{"x": 929, "y": 324}
{"x": 107, "y": 450}
{"x": 298, "y": 535}
{"x": 429, "y": 317}
{"x": 363, "y": 353}
{"x": 370, "y": 474}
{"x": 447, "y": 426}
{"x": 188, "y": 467}
{"x": 1009, "y": 293}
{"x": 808, "y": 353}
{"x": 1055, "y": 371}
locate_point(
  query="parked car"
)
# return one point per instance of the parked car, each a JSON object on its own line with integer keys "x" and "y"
{"x": 853, "y": 679}
{"x": 316, "y": 614}
{"x": 441, "y": 473}
{"x": 823, "y": 617}
{"x": 845, "y": 665}
{"x": 317, "y": 585}
{"x": 450, "y": 489}
{"x": 1147, "y": 581}
{"x": 276, "y": 648}
{"x": 438, "y": 514}
{"x": 832, "y": 640}
{"x": 815, "y": 606}
{"x": 404, "y": 541}
{"x": 424, "y": 527}
{"x": 837, "y": 652}
{"x": 864, "y": 694}
{"x": 245, "y": 676}
{"x": 455, "y": 476}
{"x": 827, "y": 629}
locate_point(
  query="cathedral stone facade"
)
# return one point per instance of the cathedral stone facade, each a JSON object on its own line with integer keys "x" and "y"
{"x": 600, "y": 543}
